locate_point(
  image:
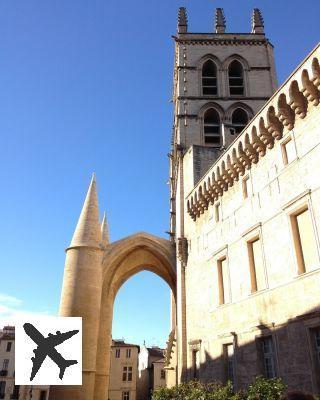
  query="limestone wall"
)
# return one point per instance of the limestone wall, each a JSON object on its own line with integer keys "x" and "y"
{"x": 288, "y": 307}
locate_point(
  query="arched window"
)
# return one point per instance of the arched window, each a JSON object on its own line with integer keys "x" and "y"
{"x": 209, "y": 78}
{"x": 239, "y": 119}
{"x": 211, "y": 125}
{"x": 236, "y": 81}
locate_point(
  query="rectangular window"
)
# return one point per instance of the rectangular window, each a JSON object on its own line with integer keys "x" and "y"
{"x": 163, "y": 374}
{"x": 229, "y": 358}
{"x": 124, "y": 374}
{"x": 127, "y": 374}
{"x": 128, "y": 353}
{"x": 9, "y": 345}
{"x": 43, "y": 395}
{"x": 246, "y": 187}
{"x": 268, "y": 357}
{"x": 125, "y": 395}
{"x": 218, "y": 212}
{"x": 304, "y": 241}
{"x": 2, "y": 389}
{"x": 223, "y": 281}
{"x": 195, "y": 363}
{"x": 288, "y": 151}
{"x": 5, "y": 365}
{"x": 117, "y": 353}
{"x": 257, "y": 273}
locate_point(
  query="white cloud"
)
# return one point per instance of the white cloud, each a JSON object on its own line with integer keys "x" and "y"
{"x": 11, "y": 311}
{"x": 9, "y": 300}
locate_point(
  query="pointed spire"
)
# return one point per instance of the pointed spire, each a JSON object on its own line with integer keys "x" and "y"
{"x": 257, "y": 21}
{"x": 105, "y": 230}
{"x": 87, "y": 232}
{"x": 220, "y": 21}
{"x": 182, "y": 20}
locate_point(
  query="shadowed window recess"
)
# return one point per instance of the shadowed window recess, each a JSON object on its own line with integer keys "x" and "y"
{"x": 212, "y": 128}
{"x": 209, "y": 78}
{"x": 268, "y": 357}
{"x": 240, "y": 119}
{"x": 236, "y": 78}
{"x": 229, "y": 360}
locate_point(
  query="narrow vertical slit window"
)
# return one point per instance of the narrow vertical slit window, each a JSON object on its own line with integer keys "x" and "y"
{"x": 195, "y": 363}
{"x": 212, "y": 134}
{"x": 236, "y": 81}
{"x": 229, "y": 360}
{"x": 268, "y": 356}
{"x": 246, "y": 187}
{"x": 218, "y": 212}
{"x": 257, "y": 273}
{"x": 223, "y": 281}
{"x": 304, "y": 241}
{"x": 209, "y": 78}
{"x": 288, "y": 151}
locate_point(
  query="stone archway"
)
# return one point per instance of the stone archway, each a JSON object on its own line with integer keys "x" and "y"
{"x": 94, "y": 271}
{"x": 121, "y": 260}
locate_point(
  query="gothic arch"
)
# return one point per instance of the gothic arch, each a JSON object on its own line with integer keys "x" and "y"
{"x": 245, "y": 68}
{"x": 228, "y": 61}
{"x": 211, "y": 131}
{"x": 94, "y": 271}
{"x": 212, "y": 104}
{"x": 218, "y": 65}
{"x": 121, "y": 260}
{"x": 234, "y": 106}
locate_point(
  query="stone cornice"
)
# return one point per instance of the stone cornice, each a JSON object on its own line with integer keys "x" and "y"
{"x": 290, "y": 102}
{"x": 217, "y": 98}
{"x": 220, "y": 40}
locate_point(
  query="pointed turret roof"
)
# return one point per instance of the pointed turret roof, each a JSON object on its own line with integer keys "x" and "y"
{"x": 182, "y": 20}
{"x": 220, "y": 21}
{"x": 87, "y": 232}
{"x": 105, "y": 230}
{"x": 257, "y": 21}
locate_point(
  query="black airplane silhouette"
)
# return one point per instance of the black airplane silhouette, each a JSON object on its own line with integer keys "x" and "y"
{"x": 46, "y": 347}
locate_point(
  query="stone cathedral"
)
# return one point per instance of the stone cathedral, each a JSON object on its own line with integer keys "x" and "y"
{"x": 243, "y": 256}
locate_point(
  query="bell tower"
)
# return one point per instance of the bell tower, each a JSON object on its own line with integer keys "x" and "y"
{"x": 221, "y": 80}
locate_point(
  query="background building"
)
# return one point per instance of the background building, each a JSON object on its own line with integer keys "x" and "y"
{"x": 8, "y": 389}
{"x": 151, "y": 371}
{"x": 123, "y": 371}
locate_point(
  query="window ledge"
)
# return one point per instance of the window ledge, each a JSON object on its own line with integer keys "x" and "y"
{"x": 308, "y": 273}
{"x": 293, "y": 162}
{"x": 257, "y": 292}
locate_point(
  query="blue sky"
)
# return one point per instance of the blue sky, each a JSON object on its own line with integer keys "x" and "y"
{"x": 85, "y": 86}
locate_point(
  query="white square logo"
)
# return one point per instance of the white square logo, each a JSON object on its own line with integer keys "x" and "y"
{"x": 48, "y": 351}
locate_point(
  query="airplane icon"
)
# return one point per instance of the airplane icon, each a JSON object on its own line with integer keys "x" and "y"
{"x": 46, "y": 347}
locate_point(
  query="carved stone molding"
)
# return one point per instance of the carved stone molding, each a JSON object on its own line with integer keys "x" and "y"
{"x": 280, "y": 113}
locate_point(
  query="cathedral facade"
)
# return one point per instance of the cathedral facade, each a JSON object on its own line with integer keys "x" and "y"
{"x": 243, "y": 258}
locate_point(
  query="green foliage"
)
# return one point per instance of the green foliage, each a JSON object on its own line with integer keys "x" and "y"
{"x": 260, "y": 389}
{"x": 266, "y": 389}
